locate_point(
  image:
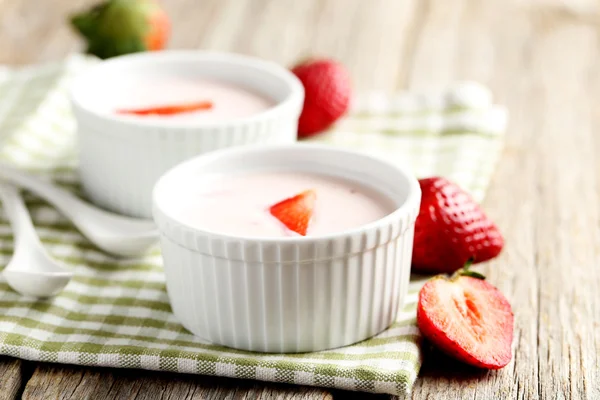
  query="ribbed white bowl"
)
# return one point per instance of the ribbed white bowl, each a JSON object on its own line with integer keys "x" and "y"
{"x": 121, "y": 157}
{"x": 288, "y": 294}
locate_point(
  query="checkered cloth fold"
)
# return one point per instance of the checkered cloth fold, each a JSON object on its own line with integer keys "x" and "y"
{"x": 116, "y": 313}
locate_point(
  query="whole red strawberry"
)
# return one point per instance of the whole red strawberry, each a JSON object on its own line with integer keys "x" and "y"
{"x": 327, "y": 90}
{"x": 451, "y": 229}
{"x": 118, "y": 27}
{"x": 467, "y": 318}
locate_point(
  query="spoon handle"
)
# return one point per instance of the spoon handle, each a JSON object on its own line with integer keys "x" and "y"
{"x": 62, "y": 200}
{"x": 68, "y": 204}
{"x": 116, "y": 234}
{"x": 18, "y": 215}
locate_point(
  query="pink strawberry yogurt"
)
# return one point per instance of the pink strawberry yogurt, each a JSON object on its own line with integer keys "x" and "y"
{"x": 229, "y": 101}
{"x": 239, "y": 205}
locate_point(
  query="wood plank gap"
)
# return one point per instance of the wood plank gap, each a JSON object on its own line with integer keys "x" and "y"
{"x": 26, "y": 370}
{"x": 14, "y": 375}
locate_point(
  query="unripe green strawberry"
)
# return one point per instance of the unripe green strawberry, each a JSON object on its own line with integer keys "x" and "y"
{"x": 118, "y": 27}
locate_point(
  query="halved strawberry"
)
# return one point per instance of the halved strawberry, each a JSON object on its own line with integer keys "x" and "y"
{"x": 467, "y": 318}
{"x": 295, "y": 213}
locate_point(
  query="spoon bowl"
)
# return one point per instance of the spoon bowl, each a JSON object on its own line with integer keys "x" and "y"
{"x": 115, "y": 234}
{"x": 35, "y": 283}
{"x": 31, "y": 271}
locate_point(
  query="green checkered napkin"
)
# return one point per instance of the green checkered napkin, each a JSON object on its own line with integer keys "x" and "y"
{"x": 116, "y": 313}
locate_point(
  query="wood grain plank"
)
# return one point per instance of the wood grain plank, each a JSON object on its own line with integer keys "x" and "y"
{"x": 545, "y": 86}
{"x": 379, "y": 49}
{"x": 592, "y": 180}
{"x": 434, "y": 61}
{"x": 12, "y": 377}
{"x": 227, "y": 27}
{"x": 34, "y": 31}
{"x": 69, "y": 382}
{"x": 567, "y": 251}
{"x": 192, "y": 20}
{"x": 281, "y": 32}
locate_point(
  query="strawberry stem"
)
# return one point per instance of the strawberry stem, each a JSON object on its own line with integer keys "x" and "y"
{"x": 466, "y": 270}
{"x": 468, "y": 264}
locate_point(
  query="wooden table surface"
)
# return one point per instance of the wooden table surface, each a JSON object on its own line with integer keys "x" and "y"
{"x": 541, "y": 59}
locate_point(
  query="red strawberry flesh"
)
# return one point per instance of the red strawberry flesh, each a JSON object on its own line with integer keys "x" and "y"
{"x": 467, "y": 318}
{"x": 169, "y": 109}
{"x": 295, "y": 212}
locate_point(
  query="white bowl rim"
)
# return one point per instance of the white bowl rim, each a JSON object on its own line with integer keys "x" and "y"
{"x": 411, "y": 202}
{"x": 278, "y": 71}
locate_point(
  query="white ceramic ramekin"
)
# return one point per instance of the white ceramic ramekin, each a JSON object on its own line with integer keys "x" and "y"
{"x": 121, "y": 156}
{"x": 288, "y": 294}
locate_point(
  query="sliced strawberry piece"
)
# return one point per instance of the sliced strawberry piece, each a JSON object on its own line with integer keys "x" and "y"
{"x": 169, "y": 109}
{"x": 295, "y": 213}
{"x": 467, "y": 318}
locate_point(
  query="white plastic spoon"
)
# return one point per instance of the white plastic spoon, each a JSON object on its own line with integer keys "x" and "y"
{"x": 31, "y": 271}
{"x": 113, "y": 233}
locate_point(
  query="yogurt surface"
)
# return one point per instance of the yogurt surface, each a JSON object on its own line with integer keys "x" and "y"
{"x": 239, "y": 204}
{"x": 229, "y": 101}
